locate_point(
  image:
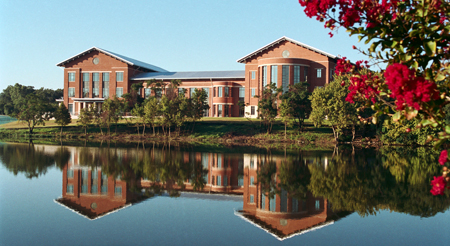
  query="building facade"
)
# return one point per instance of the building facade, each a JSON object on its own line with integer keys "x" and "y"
{"x": 96, "y": 74}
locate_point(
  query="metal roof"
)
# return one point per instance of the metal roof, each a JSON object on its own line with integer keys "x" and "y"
{"x": 125, "y": 59}
{"x": 237, "y": 74}
{"x": 242, "y": 60}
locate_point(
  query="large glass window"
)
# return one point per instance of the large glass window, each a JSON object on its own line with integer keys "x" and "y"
{"x": 317, "y": 205}
{"x": 227, "y": 91}
{"x": 94, "y": 181}
{"x": 219, "y": 91}
{"x": 252, "y": 199}
{"x": 219, "y": 180}
{"x": 119, "y": 76}
{"x": 207, "y": 91}
{"x": 71, "y": 92}
{"x": 252, "y": 180}
{"x": 71, "y": 77}
{"x": 69, "y": 189}
{"x": 285, "y": 78}
{"x": 274, "y": 75}
{"x": 252, "y": 110}
{"x": 104, "y": 184}
{"x": 272, "y": 204}
{"x": 84, "y": 181}
{"x": 253, "y": 75}
{"x": 95, "y": 84}
{"x": 225, "y": 180}
{"x": 181, "y": 91}
{"x": 69, "y": 173}
{"x": 296, "y": 74}
{"x": 119, "y": 91}
{"x": 147, "y": 92}
{"x": 253, "y": 92}
{"x": 241, "y": 92}
{"x": 226, "y": 110}
{"x": 192, "y": 92}
{"x": 264, "y": 75}
{"x": 70, "y": 108}
{"x": 85, "y": 84}
{"x": 105, "y": 80}
{"x": 294, "y": 205}
{"x": 118, "y": 191}
{"x": 158, "y": 92}
{"x": 319, "y": 73}
{"x": 219, "y": 110}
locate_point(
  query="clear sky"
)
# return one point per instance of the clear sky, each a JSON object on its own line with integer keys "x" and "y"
{"x": 177, "y": 35}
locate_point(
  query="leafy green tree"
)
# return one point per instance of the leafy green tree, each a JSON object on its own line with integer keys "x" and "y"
{"x": 62, "y": 117}
{"x": 286, "y": 112}
{"x": 199, "y": 105}
{"x": 85, "y": 119}
{"x": 329, "y": 102}
{"x": 97, "y": 117}
{"x": 138, "y": 112}
{"x": 267, "y": 105}
{"x": 13, "y": 97}
{"x": 298, "y": 98}
{"x": 112, "y": 111}
{"x": 34, "y": 111}
{"x": 152, "y": 112}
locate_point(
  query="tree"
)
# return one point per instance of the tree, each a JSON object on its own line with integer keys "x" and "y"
{"x": 199, "y": 104}
{"x": 151, "y": 112}
{"x": 97, "y": 117}
{"x": 267, "y": 105}
{"x": 84, "y": 119}
{"x": 112, "y": 110}
{"x": 62, "y": 117}
{"x": 138, "y": 112}
{"x": 286, "y": 112}
{"x": 298, "y": 98}
{"x": 329, "y": 102}
{"x": 34, "y": 110}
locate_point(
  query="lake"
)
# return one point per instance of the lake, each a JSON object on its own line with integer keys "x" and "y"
{"x": 161, "y": 194}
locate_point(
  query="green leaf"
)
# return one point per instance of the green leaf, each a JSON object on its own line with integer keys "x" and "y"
{"x": 397, "y": 116}
{"x": 414, "y": 33}
{"x": 447, "y": 129}
{"x": 430, "y": 47}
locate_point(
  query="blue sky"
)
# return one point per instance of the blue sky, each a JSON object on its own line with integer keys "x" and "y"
{"x": 177, "y": 35}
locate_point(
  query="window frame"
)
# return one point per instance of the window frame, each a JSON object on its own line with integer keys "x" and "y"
{"x": 119, "y": 75}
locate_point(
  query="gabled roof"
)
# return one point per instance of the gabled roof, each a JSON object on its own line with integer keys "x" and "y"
{"x": 125, "y": 59}
{"x": 243, "y": 59}
{"x": 237, "y": 74}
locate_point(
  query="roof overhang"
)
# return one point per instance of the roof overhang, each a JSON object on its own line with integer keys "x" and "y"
{"x": 88, "y": 99}
{"x": 201, "y": 75}
{"x": 243, "y": 59}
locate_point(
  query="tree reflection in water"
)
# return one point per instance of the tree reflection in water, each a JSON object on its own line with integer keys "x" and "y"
{"x": 364, "y": 181}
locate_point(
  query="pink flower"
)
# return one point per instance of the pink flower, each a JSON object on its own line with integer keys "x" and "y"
{"x": 443, "y": 157}
{"x": 438, "y": 184}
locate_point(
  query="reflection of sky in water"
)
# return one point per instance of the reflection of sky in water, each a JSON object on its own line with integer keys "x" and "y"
{"x": 28, "y": 216}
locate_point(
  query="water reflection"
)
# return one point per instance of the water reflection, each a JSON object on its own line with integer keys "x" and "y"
{"x": 283, "y": 194}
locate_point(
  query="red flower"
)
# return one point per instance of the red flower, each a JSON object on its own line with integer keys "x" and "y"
{"x": 443, "y": 157}
{"x": 438, "y": 184}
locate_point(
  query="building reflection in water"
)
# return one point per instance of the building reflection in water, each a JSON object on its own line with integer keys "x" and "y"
{"x": 94, "y": 191}
{"x": 281, "y": 215}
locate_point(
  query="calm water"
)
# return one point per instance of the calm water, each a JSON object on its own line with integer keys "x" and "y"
{"x": 166, "y": 195}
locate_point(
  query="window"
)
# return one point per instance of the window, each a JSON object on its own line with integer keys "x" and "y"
{"x": 94, "y": 180}
{"x": 225, "y": 180}
{"x": 252, "y": 199}
{"x": 241, "y": 181}
{"x": 69, "y": 189}
{"x": 119, "y": 91}
{"x": 70, "y": 108}
{"x": 226, "y": 110}
{"x": 253, "y": 75}
{"x": 147, "y": 92}
{"x": 71, "y": 92}
{"x": 181, "y": 91}
{"x": 192, "y": 92}
{"x": 227, "y": 91}
{"x": 274, "y": 75}
{"x": 264, "y": 76}
{"x": 213, "y": 180}
{"x": 294, "y": 205}
{"x": 85, "y": 84}
{"x": 219, "y": 110}
{"x": 319, "y": 73}
{"x": 285, "y": 78}
{"x": 219, "y": 180}
{"x": 296, "y": 74}
{"x": 71, "y": 77}
{"x": 331, "y": 73}
{"x": 219, "y": 161}
{"x": 272, "y": 204}
{"x": 207, "y": 92}
{"x": 104, "y": 184}
{"x": 252, "y": 180}
{"x": 252, "y": 110}
{"x": 305, "y": 74}
{"x": 105, "y": 79}
{"x": 95, "y": 85}
{"x": 69, "y": 173}
{"x": 118, "y": 191}
{"x": 158, "y": 92}
{"x": 317, "y": 205}
{"x": 241, "y": 92}
{"x": 84, "y": 181}
{"x": 219, "y": 91}
{"x": 253, "y": 92}
{"x": 119, "y": 76}
{"x": 263, "y": 201}
{"x": 252, "y": 164}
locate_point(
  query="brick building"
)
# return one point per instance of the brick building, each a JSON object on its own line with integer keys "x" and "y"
{"x": 96, "y": 74}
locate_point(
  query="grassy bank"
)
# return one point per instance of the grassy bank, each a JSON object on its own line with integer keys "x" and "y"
{"x": 214, "y": 130}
